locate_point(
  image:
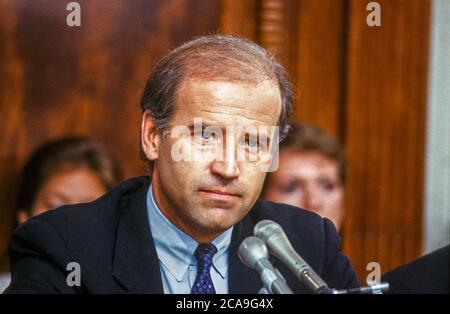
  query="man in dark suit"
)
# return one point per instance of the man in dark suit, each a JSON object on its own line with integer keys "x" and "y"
{"x": 429, "y": 274}
{"x": 180, "y": 231}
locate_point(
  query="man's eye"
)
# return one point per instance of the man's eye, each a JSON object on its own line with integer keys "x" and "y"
{"x": 207, "y": 135}
{"x": 251, "y": 142}
{"x": 204, "y": 136}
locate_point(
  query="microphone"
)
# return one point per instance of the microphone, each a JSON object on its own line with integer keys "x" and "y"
{"x": 253, "y": 253}
{"x": 276, "y": 240}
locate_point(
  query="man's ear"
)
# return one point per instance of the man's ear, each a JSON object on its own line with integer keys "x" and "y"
{"x": 149, "y": 136}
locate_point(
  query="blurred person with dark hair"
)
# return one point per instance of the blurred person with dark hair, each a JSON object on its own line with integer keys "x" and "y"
{"x": 311, "y": 173}
{"x": 68, "y": 170}
{"x": 65, "y": 171}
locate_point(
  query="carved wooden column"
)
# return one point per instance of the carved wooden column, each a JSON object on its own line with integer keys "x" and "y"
{"x": 239, "y": 18}
{"x": 272, "y": 30}
{"x": 264, "y": 21}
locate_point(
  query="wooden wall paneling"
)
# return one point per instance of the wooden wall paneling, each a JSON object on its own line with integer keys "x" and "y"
{"x": 239, "y": 17}
{"x": 272, "y": 30}
{"x": 320, "y": 72}
{"x": 385, "y": 128}
{"x": 57, "y": 80}
{"x": 308, "y": 37}
{"x": 11, "y": 139}
{"x": 263, "y": 21}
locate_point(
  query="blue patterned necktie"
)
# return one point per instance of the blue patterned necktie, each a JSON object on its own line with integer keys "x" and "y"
{"x": 203, "y": 283}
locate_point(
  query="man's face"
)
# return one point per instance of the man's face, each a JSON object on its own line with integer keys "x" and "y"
{"x": 207, "y": 196}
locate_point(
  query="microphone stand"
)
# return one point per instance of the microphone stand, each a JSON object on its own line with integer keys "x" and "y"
{"x": 374, "y": 289}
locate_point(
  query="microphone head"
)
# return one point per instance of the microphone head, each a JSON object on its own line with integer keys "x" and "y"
{"x": 252, "y": 250}
{"x": 267, "y": 228}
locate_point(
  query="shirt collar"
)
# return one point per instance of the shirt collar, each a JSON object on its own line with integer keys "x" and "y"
{"x": 175, "y": 248}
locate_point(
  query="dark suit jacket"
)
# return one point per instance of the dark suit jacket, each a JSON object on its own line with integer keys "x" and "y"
{"x": 428, "y": 274}
{"x": 111, "y": 240}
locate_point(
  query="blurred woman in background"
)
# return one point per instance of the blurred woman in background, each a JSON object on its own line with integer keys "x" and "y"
{"x": 65, "y": 171}
{"x": 311, "y": 173}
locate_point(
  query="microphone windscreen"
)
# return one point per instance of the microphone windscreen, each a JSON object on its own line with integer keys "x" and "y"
{"x": 252, "y": 250}
{"x": 266, "y": 228}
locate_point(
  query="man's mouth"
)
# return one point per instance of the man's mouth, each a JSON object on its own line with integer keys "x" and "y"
{"x": 220, "y": 194}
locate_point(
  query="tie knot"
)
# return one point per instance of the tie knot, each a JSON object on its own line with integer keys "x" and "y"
{"x": 204, "y": 254}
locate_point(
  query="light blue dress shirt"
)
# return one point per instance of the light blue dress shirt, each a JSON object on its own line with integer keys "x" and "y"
{"x": 175, "y": 250}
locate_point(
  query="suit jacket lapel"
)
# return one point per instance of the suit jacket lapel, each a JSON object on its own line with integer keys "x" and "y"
{"x": 242, "y": 280}
{"x": 135, "y": 263}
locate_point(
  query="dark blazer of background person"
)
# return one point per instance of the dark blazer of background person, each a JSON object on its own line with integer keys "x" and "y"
{"x": 429, "y": 274}
{"x": 111, "y": 240}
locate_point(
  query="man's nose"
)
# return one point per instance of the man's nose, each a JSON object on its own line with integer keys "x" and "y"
{"x": 227, "y": 169}
{"x": 227, "y": 165}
